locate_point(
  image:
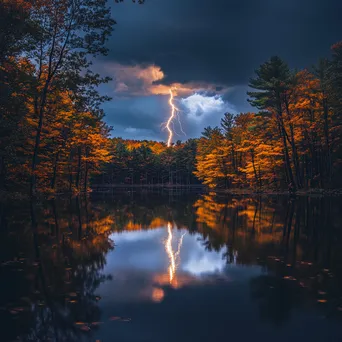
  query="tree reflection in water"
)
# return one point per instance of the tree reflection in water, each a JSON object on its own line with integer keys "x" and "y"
{"x": 54, "y": 259}
{"x": 295, "y": 241}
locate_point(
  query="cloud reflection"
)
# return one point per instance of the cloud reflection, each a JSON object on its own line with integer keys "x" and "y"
{"x": 146, "y": 262}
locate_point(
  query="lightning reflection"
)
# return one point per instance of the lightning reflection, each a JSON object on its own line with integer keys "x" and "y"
{"x": 174, "y": 257}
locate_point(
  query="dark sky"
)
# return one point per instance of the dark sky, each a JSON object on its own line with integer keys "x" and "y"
{"x": 207, "y": 50}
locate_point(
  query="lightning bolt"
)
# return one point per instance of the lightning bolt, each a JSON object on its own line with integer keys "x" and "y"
{"x": 180, "y": 124}
{"x": 168, "y": 123}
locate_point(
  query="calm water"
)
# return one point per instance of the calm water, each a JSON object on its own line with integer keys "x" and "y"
{"x": 175, "y": 267}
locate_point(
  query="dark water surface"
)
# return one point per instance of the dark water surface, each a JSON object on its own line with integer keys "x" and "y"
{"x": 176, "y": 267}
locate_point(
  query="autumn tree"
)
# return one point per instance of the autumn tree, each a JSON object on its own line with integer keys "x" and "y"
{"x": 212, "y": 161}
{"x": 71, "y": 31}
{"x": 273, "y": 83}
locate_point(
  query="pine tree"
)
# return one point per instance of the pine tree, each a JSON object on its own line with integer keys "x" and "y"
{"x": 274, "y": 82}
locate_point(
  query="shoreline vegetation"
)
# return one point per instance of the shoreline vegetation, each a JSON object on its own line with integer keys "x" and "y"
{"x": 98, "y": 188}
{"x": 54, "y": 138}
{"x": 117, "y": 189}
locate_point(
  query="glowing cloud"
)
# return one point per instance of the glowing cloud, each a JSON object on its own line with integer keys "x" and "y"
{"x": 134, "y": 80}
{"x": 143, "y": 80}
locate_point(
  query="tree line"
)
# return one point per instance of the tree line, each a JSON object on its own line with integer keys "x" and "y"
{"x": 135, "y": 162}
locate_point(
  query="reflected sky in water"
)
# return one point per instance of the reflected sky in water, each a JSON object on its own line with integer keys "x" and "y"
{"x": 154, "y": 270}
{"x": 144, "y": 261}
{"x": 146, "y": 250}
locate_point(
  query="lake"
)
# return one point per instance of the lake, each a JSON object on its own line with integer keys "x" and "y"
{"x": 173, "y": 266}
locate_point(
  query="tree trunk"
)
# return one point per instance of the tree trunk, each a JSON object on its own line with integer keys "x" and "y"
{"x": 39, "y": 112}
{"x": 53, "y": 181}
{"x": 292, "y": 185}
{"x": 254, "y": 168}
{"x": 35, "y": 154}
{"x": 54, "y": 210}
{"x": 2, "y": 173}
{"x": 79, "y": 164}
{"x": 86, "y": 177}
{"x": 327, "y": 139}
{"x": 86, "y": 171}
{"x": 79, "y": 230}
{"x": 295, "y": 159}
{"x": 70, "y": 171}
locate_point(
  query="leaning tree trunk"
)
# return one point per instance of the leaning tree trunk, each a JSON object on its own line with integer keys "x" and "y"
{"x": 293, "y": 147}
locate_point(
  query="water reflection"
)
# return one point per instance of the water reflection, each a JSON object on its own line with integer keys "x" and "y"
{"x": 80, "y": 269}
{"x": 174, "y": 257}
{"x": 51, "y": 267}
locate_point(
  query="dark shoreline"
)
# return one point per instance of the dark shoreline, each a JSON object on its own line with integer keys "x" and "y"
{"x": 11, "y": 196}
{"x": 250, "y": 192}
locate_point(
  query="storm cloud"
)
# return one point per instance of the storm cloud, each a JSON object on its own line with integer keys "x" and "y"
{"x": 207, "y": 46}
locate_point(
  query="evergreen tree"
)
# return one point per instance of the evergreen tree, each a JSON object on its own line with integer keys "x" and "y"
{"x": 274, "y": 81}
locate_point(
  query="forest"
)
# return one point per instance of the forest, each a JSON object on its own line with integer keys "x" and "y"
{"x": 54, "y": 138}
